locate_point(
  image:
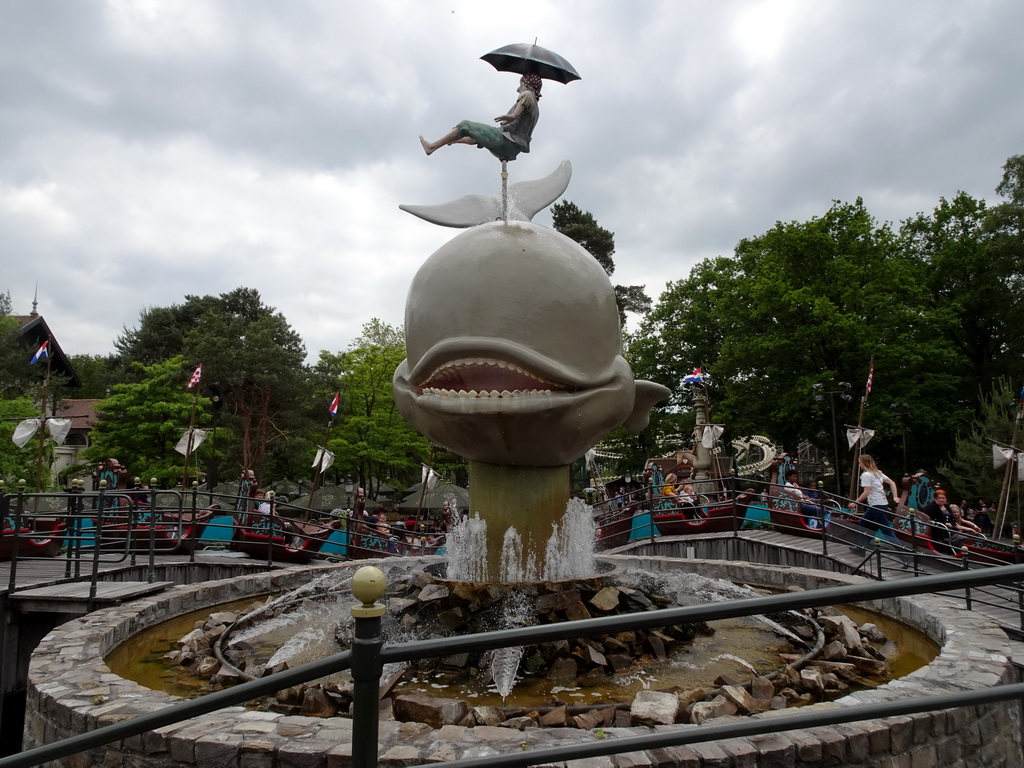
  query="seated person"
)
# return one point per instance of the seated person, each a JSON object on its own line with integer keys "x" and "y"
{"x": 937, "y": 514}
{"x": 961, "y": 523}
{"x": 809, "y": 507}
{"x": 682, "y": 497}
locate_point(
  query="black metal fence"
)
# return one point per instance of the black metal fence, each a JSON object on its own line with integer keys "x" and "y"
{"x": 369, "y": 653}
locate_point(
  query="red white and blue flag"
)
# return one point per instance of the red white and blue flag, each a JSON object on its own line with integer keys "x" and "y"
{"x": 195, "y": 376}
{"x": 694, "y": 378}
{"x": 871, "y": 378}
{"x": 333, "y": 410}
{"x": 42, "y": 353}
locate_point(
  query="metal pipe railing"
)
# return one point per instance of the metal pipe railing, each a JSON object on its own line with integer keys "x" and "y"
{"x": 373, "y": 655}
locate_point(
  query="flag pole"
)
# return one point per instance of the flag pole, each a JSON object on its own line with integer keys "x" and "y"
{"x": 317, "y": 472}
{"x": 191, "y": 437}
{"x": 1004, "y": 492}
{"x": 42, "y": 428}
{"x": 857, "y": 448}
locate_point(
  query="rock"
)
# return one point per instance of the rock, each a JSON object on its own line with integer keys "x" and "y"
{"x": 577, "y": 612}
{"x": 725, "y": 680}
{"x": 389, "y": 678}
{"x": 556, "y": 717}
{"x": 223, "y": 617}
{"x": 654, "y": 708}
{"x": 290, "y": 695}
{"x": 592, "y": 718}
{"x": 843, "y": 668}
{"x": 778, "y": 702}
{"x": 762, "y": 689}
{"x": 457, "y": 660}
{"x": 558, "y": 601}
{"x": 868, "y": 666}
{"x": 812, "y": 680}
{"x": 194, "y": 640}
{"x": 871, "y": 633}
{"x": 519, "y": 723}
{"x": 842, "y": 629}
{"x": 487, "y": 715}
{"x": 398, "y": 605}
{"x": 657, "y": 647}
{"x": 619, "y": 661}
{"x": 744, "y": 702}
{"x": 453, "y": 619}
{"x": 226, "y": 676}
{"x": 433, "y": 592}
{"x": 834, "y": 651}
{"x": 596, "y": 657}
{"x": 316, "y": 703}
{"x": 606, "y": 600}
{"x": 420, "y": 579}
{"x": 207, "y": 667}
{"x": 705, "y": 710}
{"x": 563, "y": 671}
{"x": 435, "y": 712}
{"x": 691, "y": 696}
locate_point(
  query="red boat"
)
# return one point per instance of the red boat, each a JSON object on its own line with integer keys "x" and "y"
{"x": 703, "y": 518}
{"x": 43, "y": 539}
{"x": 257, "y": 535}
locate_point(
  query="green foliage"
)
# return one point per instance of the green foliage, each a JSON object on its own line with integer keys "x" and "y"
{"x": 256, "y": 359}
{"x": 582, "y": 227}
{"x": 142, "y": 422}
{"x": 370, "y": 438}
{"x": 17, "y": 463}
{"x": 98, "y": 374}
{"x": 969, "y": 472}
{"x": 807, "y": 302}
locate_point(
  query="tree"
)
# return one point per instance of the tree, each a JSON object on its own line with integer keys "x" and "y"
{"x": 141, "y": 423}
{"x": 98, "y": 374}
{"x": 370, "y": 439}
{"x": 581, "y": 226}
{"x": 969, "y": 470}
{"x": 806, "y": 302}
{"x": 254, "y": 355}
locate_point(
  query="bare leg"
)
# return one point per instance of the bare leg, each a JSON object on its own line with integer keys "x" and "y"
{"x": 452, "y": 137}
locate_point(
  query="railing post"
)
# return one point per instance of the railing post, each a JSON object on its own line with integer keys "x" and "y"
{"x": 912, "y": 516}
{"x": 194, "y": 528}
{"x": 733, "y": 486}
{"x": 368, "y": 586}
{"x": 16, "y": 533}
{"x": 101, "y": 504}
{"x": 270, "y": 529}
{"x": 878, "y": 557}
{"x": 1020, "y": 591}
{"x": 965, "y": 558}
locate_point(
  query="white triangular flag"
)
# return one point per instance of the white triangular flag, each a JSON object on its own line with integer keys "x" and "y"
{"x": 59, "y": 429}
{"x": 24, "y": 431}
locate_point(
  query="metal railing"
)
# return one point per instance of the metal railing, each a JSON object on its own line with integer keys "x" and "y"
{"x": 369, "y": 653}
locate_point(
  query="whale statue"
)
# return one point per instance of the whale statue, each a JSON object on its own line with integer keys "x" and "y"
{"x": 514, "y": 349}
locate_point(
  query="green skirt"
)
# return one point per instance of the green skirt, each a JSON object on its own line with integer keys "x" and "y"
{"x": 490, "y": 138}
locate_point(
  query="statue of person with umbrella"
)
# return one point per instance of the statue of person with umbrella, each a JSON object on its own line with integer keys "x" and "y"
{"x": 514, "y": 131}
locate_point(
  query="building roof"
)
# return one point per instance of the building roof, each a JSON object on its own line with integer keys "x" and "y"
{"x": 32, "y": 332}
{"x": 83, "y": 412}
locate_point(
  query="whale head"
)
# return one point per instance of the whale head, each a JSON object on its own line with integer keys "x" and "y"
{"x": 514, "y": 349}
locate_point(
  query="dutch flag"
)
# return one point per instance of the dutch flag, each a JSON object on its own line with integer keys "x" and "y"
{"x": 42, "y": 353}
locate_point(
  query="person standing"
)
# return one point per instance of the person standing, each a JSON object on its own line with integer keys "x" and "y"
{"x": 872, "y": 497}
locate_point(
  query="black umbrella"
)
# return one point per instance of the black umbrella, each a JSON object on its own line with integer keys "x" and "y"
{"x": 525, "y": 59}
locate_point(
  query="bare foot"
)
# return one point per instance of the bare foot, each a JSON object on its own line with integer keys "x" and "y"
{"x": 426, "y": 146}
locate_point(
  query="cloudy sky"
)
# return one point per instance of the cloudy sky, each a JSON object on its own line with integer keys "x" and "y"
{"x": 151, "y": 149}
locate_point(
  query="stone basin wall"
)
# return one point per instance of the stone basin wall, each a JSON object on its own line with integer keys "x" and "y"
{"x": 71, "y": 691}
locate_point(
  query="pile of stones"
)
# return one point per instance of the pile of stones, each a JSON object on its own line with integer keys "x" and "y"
{"x": 424, "y": 605}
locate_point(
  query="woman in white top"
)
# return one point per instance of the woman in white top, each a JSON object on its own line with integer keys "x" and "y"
{"x": 872, "y": 484}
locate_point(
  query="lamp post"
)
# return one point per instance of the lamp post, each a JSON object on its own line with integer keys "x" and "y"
{"x": 349, "y": 487}
{"x": 901, "y": 411}
{"x": 843, "y": 390}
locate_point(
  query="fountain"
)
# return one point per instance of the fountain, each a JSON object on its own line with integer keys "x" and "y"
{"x": 514, "y": 362}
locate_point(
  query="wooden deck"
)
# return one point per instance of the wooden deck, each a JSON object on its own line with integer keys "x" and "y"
{"x": 74, "y": 597}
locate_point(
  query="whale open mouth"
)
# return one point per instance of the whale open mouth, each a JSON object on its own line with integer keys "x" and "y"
{"x": 487, "y": 378}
